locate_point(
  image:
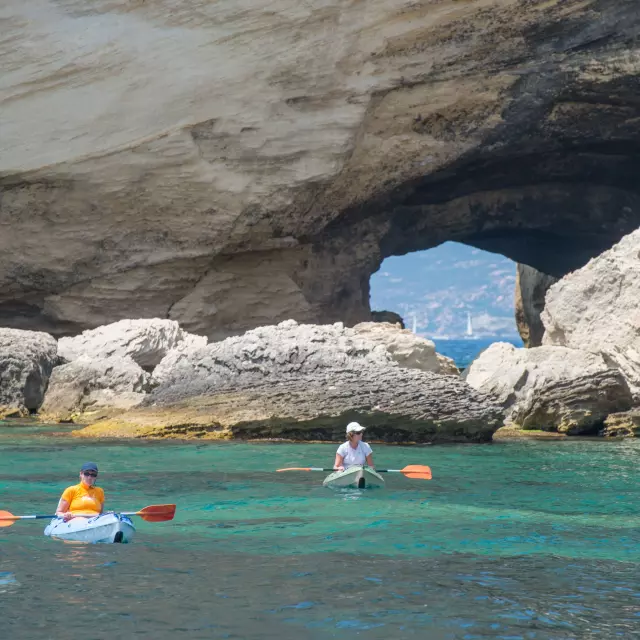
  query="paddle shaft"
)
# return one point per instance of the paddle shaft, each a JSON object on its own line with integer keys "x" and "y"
{"x": 27, "y": 517}
{"x": 152, "y": 513}
{"x": 413, "y": 471}
{"x": 332, "y": 469}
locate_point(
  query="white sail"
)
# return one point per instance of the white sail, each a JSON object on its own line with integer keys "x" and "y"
{"x": 469, "y": 325}
{"x": 415, "y": 324}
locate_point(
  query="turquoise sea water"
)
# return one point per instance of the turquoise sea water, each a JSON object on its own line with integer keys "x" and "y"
{"x": 528, "y": 540}
{"x": 464, "y": 352}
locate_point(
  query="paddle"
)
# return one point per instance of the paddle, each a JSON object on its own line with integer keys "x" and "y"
{"x": 414, "y": 471}
{"x": 152, "y": 513}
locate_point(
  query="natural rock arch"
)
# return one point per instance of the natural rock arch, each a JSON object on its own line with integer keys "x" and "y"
{"x": 231, "y": 167}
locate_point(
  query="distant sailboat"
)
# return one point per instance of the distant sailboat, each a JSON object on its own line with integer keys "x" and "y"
{"x": 415, "y": 324}
{"x": 469, "y": 326}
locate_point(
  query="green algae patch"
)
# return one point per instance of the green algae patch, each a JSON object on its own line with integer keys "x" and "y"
{"x": 517, "y": 433}
{"x": 12, "y": 412}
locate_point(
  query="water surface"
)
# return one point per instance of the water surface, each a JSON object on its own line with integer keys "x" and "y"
{"x": 524, "y": 540}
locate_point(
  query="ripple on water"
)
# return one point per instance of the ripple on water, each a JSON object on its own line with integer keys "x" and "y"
{"x": 513, "y": 541}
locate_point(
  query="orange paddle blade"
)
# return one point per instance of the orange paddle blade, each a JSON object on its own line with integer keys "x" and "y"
{"x": 295, "y": 469}
{"x": 417, "y": 472}
{"x": 7, "y": 519}
{"x": 158, "y": 512}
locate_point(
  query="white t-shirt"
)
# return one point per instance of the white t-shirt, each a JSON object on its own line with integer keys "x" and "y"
{"x": 354, "y": 456}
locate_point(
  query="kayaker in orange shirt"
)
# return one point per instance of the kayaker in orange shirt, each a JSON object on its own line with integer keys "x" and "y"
{"x": 84, "y": 499}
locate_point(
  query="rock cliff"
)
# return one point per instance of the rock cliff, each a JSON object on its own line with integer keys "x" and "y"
{"x": 230, "y": 165}
{"x": 595, "y": 309}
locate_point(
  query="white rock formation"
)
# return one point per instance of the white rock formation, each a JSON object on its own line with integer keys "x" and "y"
{"x": 406, "y": 348}
{"x": 94, "y": 386}
{"x": 302, "y": 346}
{"x": 288, "y": 346}
{"x": 26, "y": 361}
{"x": 550, "y": 388}
{"x": 597, "y": 309}
{"x": 145, "y": 341}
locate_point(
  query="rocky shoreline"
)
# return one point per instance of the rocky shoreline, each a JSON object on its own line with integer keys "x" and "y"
{"x": 148, "y": 378}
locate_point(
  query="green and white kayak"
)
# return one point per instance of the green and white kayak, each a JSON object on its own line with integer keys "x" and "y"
{"x": 357, "y": 476}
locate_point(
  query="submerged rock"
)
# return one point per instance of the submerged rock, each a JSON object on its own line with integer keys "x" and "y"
{"x": 91, "y": 388}
{"x": 595, "y": 309}
{"x": 145, "y": 341}
{"x": 396, "y": 405}
{"x": 26, "y": 361}
{"x": 550, "y": 388}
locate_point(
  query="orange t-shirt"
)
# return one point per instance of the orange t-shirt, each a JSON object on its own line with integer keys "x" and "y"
{"x": 83, "y": 500}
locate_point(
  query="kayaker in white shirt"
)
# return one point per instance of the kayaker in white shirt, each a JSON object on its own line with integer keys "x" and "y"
{"x": 354, "y": 451}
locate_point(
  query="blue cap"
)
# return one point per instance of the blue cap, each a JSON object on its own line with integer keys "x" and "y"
{"x": 89, "y": 466}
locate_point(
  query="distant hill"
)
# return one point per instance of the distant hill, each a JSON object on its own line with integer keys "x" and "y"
{"x": 445, "y": 286}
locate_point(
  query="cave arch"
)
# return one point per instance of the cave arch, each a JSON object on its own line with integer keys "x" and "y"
{"x": 345, "y": 137}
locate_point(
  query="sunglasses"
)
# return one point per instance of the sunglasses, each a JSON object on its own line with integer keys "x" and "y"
{"x": 90, "y": 474}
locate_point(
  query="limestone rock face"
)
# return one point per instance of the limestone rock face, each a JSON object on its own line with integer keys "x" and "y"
{"x": 550, "y": 388}
{"x": 230, "y": 165}
{"x": 531, "y": 288}
{"x": 26, "y": 361}
{"x": 145, "y": 341}
{"x": 285, "y": 348}
{"x": 396, "y": 405}
{"x": 94, "y": 387}
{"x": 596, "y": 309}
{"x": 303, "y": 382}
{"x": 290, "y": 347}
{"x": 406, "y": 348}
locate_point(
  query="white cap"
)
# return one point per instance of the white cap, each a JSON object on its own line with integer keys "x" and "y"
{"x": 355, "y": 427}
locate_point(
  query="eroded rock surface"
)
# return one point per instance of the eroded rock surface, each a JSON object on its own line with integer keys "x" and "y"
{"x": 26, "y": 361}
{"x": 285, "y": 348}
{"x": 257, "y": 161}
{"x": 596, "y": 309}
{"x": 301, "y": 382}
{"x": 145, "y": 341}
{"x": 406, "y": 348}
{"x": 90, "y": 388}
{"x": 550, "y": 388}
{"x": 396, "y": 404}
{"x": 622, "y": 425}
{"x": 531, "y": 289}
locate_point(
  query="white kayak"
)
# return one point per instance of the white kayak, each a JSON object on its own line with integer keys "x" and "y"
{"x": 108, "y": 527}
{"x": 356, "y": 476}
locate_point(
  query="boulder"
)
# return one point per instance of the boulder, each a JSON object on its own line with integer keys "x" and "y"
{"x": 550, "y": 388}
{"x": 406, "y": 348}
{"x": 395, "y": 404}
{"x": 303, "y": 382}
{"x": 290, "y": 347}
{"x": 388, "y": 316}
{"x": 26, "y": 361}
{"x": 89, "y": 388}
{"x": 145, "y": 341}
{"x": 284, "y": 348}
{"x": 595, "y": 309}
